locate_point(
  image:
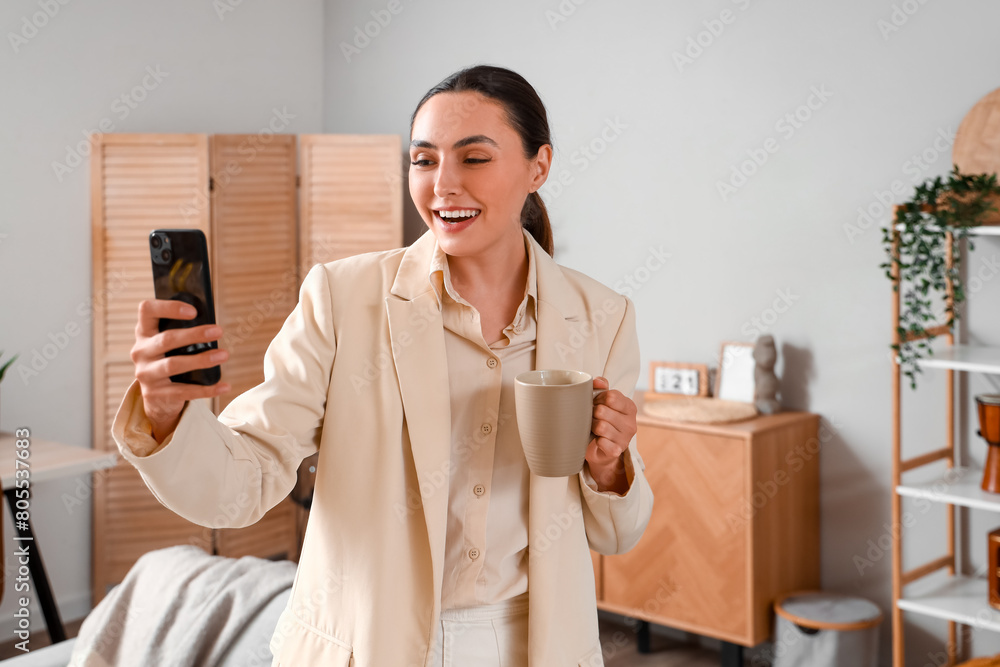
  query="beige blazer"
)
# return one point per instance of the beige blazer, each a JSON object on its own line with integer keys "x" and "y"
{"x": 358, "y": 371}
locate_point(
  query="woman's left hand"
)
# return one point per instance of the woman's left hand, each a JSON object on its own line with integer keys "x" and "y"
{"x": 613, "y": 425}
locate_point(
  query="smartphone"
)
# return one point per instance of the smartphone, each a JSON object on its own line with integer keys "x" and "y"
{"x": 180, "y": 273}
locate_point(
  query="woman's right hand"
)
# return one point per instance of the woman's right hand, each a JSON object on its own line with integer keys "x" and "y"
{"x": 163, "y": 400}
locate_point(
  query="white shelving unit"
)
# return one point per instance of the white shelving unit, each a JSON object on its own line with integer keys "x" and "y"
{"x": 958, "y": 488}
{"x": 973, "y": 358}
{"x": 958, "y": 599}
{"x": 973, "y": 231}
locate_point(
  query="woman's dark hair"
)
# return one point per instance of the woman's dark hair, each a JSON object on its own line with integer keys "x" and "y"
{"x": 525, "y": 113}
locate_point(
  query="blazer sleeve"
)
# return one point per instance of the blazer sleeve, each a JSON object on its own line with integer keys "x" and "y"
{"x": 228, "y": 471}
{"x": 614, "y": 523}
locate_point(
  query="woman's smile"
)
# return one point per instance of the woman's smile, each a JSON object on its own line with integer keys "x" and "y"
{"x": 454, "y": 219}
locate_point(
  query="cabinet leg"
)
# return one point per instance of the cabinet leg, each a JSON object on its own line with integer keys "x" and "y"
{"x": 642, "y": 637}
{"x": 732, "y": 655}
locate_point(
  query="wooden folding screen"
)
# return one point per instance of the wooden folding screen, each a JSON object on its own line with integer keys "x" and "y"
{"x": 254, "y": 260}
{"x": 138, "y": 183}
{"x": 241, "y": 191}
{"x": 350, "y": 199}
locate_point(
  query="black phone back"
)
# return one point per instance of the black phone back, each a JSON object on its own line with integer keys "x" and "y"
{"x": 181, "y": 273}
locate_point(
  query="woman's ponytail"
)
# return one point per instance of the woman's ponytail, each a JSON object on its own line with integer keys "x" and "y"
{"x": 535, "y": 218}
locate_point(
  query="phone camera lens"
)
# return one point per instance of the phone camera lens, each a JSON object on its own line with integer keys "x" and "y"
{"x": 155, "y": 241}
{"x": 165, "y": 255}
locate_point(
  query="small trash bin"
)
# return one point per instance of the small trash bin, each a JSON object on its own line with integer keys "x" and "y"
{"x": 817, "y": 629}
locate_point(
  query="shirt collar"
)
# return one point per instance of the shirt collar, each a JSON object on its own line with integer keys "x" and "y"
{"x": 440, "y": 279}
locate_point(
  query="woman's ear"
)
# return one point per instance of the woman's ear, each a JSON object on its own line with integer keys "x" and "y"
{"x": 540, "y": 166}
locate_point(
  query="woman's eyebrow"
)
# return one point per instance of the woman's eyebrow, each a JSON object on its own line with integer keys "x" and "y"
{"x": 474, "y": 139}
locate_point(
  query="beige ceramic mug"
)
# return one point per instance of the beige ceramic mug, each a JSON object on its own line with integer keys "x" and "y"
{"x": 555, "y": 410}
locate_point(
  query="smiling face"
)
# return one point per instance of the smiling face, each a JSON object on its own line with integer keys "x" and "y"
{"x": 469, "y": 176}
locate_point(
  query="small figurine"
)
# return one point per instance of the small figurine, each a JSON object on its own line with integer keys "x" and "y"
{"x": 765, "y": 354}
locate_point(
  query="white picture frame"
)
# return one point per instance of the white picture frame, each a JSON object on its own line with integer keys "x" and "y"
{"x": 734, "y": 380}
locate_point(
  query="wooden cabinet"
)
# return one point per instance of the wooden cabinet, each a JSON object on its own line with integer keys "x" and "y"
{"x": 735, "y": 523}
{"x": 269, "y": 211}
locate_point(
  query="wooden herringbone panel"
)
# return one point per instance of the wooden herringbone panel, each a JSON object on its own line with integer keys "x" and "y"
{"x": 700, "y": 481}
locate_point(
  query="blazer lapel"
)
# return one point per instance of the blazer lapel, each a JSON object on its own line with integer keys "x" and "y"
{"x": 561, "y": 317}
{"x": 417, "y": 337}
{"x": 559, "y": 344}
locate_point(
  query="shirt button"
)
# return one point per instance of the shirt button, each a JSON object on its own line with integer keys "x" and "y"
{"x": 479, "y": 489}
{"x": 491, "y": 362}
{"x": 473, "y": 553}
{"x": 487, "y": 429}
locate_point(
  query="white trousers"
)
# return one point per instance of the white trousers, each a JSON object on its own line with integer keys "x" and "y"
{"x": 487, "y": 636}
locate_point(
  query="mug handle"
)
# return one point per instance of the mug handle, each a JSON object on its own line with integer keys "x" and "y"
{"x": 597, "y": 392}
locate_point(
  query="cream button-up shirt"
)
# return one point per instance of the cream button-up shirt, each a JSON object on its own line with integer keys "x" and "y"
{"x": 486, "y": 551}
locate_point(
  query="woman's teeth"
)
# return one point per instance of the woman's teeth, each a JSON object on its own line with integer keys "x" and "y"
{"x": 461, "y": 215}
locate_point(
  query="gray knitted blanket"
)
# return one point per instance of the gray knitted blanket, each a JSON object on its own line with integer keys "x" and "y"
{"x": 178, "y": 607}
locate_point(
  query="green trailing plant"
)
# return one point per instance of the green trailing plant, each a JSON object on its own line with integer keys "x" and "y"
{"x": 5, "y": 366}
{"x": 955, "y": 204}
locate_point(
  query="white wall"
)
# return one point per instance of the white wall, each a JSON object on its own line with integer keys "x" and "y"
{"x": 220, "y": 71}
{"x": 781, "y": 233}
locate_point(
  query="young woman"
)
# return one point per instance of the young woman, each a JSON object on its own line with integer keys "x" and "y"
{"x": 429, "y": 542}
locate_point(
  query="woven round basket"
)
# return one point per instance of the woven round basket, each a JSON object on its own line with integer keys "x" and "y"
{"x": 699, "y": 409}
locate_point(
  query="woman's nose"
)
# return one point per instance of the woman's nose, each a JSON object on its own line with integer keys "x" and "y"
{"x": 447, "y": 181}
